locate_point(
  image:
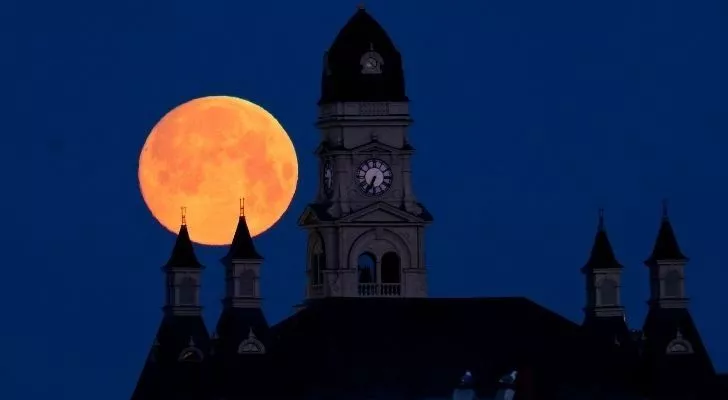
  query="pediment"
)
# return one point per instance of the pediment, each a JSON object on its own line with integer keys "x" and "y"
{"x": 314, "y": 213}
{"x": 308, "y": 217}
{"x": 375, "y": 147}
{"x": 380, "y": 213}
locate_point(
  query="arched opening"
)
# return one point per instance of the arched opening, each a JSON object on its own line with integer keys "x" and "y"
{"x": 608, "y": 292}
{"x": 367, "y": 267}
{"x": 672, "y": 284}
{"x": 190, "y": 354}
{"x": 318, "y": 263}
{"x": 390, "y": 268}
{"x": 188, "y": 291}
{"x": 246, "y": 283}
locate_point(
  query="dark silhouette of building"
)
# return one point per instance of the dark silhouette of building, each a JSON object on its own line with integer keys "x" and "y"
{"x": 367, "y": 329}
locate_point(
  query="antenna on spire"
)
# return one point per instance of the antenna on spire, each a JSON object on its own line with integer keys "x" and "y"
{"x": 242, "y": 206}
{"x": 183, "y": 212}
{"x": 601, "y": 219}
{"x": 664, "y": 208}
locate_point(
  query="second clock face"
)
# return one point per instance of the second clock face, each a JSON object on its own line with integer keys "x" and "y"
{"x": 328, "y": 178}
{"x": 374, "y": 177}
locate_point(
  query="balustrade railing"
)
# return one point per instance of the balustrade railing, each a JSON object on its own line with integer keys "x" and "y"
{"x": 380, "y": 289}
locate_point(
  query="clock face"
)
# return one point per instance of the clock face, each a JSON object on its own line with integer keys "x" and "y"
{"x": 371, "y": 63}
{"x": 328, "y": 177}
{"x": 374, "y": 177}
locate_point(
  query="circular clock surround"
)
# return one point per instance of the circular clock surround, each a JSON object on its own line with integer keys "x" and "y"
{"x": 374, "y": 177}
{"x": 328, "y": 177}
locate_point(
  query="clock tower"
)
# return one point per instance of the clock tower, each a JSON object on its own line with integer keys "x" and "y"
{"x": 365, "y": 227}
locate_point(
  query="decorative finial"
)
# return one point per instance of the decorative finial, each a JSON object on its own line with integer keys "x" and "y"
{"x": 664, "y": 208}
{"x": 371, "y": 46}
{"x": 360, "y": 6}
{"x": 192, "y": 342}
{"x": 184, "y": 215}
{"x": 251, "y": 335}
{"x": 678, "y": 334}
{"x": 600, "y": 226}
{"x": 242, "y": 206}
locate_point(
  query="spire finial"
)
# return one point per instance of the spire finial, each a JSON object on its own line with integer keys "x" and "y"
{"x": 664, "y": 208}
{"x": 183, "y": 212}
{"x": 371, "y": 45}
{"x": 600, "y": 226}
{"x": 360, "y": 6}
{"x": 242, "y": 206}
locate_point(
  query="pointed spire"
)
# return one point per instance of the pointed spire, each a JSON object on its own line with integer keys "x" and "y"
{"x": 666, "y": 247}
{"x": 242, "y": 247}
{"x": 602, "y": 255}
{"x": 183, "y": 253}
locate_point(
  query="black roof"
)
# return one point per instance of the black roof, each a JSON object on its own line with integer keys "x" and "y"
{"x": 242, "y": 247}
{"x": 183, "y": 254}
{"x": 666, "y": 247}
{"x": 602, "y": 255}
{"x": 342, "y": 80}
{"x": 241, "y": 375}
{"x": 421, "y": 347}
{"x": 674, "y": 372}
{"x": 168, "y": 372}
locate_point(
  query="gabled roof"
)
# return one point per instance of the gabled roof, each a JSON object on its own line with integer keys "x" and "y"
{"x": 183, "y": 253}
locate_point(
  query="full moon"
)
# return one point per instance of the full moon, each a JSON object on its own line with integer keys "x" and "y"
{"x": 209, "y": 153}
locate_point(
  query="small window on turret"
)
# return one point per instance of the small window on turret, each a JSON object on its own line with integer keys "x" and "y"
{"x": 371, "y": 62}
{"x": 672, "y": 284}
{"x": 188, "y": 291}
{"x": 679, "y": 345}
{"x": 190, "y": 354}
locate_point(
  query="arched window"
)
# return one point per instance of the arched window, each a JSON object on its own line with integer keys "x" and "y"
{"x": 246, "y": 283}
{"x": 390, "y": 268}
{"x": 367, "y": 266}
{"x": 672, "y": 284}
{"x": 608, "y": 292}
{"x": 188, "y": 291}
{"x": 318, "y": 263}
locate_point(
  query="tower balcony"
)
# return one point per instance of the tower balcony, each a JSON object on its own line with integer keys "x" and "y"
{"x": 380, "y": 290}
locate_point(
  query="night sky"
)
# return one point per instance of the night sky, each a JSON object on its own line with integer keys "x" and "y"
{"x": 530, "y": 115}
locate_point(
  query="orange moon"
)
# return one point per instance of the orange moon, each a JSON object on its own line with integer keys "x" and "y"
{"x": 208, "y": 153}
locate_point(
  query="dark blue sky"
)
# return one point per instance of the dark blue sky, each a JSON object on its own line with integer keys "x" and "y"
{"x": 529, "y": 116}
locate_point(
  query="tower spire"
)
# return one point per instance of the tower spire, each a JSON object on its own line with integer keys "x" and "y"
{"x": 603, "y": 275}
{"x": 602, "y": 255}
{"x": 666, "y": 246}
{"x": 242, "y": 247}
{"x": 183, "y": 253}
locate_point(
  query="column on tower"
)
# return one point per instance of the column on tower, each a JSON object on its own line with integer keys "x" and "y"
{"x": 177, "y": 366}
{"x": 241, "y": 339}
{"x": 674, "y": 359}
{"x": 603, "y": 313}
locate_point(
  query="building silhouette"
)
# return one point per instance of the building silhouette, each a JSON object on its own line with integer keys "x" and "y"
{"x": 367, "y": 328}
